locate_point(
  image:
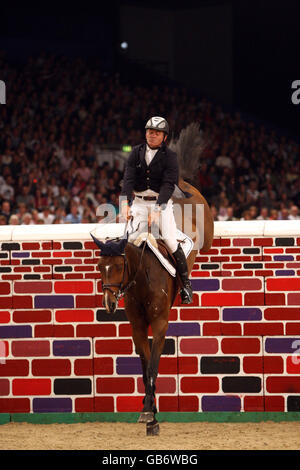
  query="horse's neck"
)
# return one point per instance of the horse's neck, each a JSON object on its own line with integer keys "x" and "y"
{"x": 133, "y": 257}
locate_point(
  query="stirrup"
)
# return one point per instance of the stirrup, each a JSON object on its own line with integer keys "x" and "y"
{"x": 186, "y": 295}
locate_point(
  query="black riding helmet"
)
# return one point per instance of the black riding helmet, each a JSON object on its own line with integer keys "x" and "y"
{"x": 159, "y": 124}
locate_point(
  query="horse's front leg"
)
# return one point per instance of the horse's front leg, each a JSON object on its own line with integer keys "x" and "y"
{"x": 159, "y": 329}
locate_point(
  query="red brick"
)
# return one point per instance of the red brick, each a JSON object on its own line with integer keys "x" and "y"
{"x": 129, "y": 404}
{"x": 83, "y": 367}
{"x": 215, "y": 299}
{"x": 125, "y": 329}
{"x": 33, "y": 287}
{"x": 199, "y": 345}
{"x": 31, "y": 246}
{"x": 199, "y": 313}
{"x": 56, "y": 245}
{"x": 14, "y": 405}
{"x": 103, "y": 365}
{"x": 263, "y": 329}
{"x": 73, "y": 261}
{"x": 241, "y": 284}
{"x": 104, "y": 404}
{"x": 52, "y": 261}
{"x": 288, "y": 384}
{"x": 240, "y": 345}
{"x": 230, "y": 251}
{"x": 241, "y": 258}
{"x": 292, "y": 328}
{"x": 293, "y": 364}
{"x": 84, "y": 405}
{"x": 63, "y": 331}
{"x": 14, "y": 368}
{"x": 212, "y": 329}
{"x": 263, "y": 272}
{"x": 114, "y": 346}
{"x": 51, "y": 367}
{"x": 87, "y": 301}
{"x": 283, "y": 284}
{"x": 263, "y": 241}
{"x": 293, "y": 298}
{"x": 79, "y": 287}
{"x": 31, "y": 387}
{"x": 254, "y": 403}
{"x": 62, "y": 254}
{"x": 200, "y": 274}
{"x": 274, "y": 299}
{"x": 4, "y": 316}
{"x": 232, "y": 329}
{"x": 232, "y": 266}
{"x": 21, "y": 301}
{"x": 43, "y": 331}
{"x": 33, "y": 348}
{"x": 74, "y": 315}
{"x": 225, "y": 241}
{"x": 273, "y": 250}
{"x": 254, "y": 298}
{"x": 169, "y": 403}
{"x": 4, "y": 387}
{"x": 96, "y": 330}
{"x": 242, "y": 242}
{"x": 219, "y": 259}
{"x": 274, "y": 265}
{"x": 41, "y": 254}
{"x": 119, "y": 385}
{"x": 32, "y": 316}
{"x": 188, "y": 365}
{"x": 274, "y": 403}
{"x": 292, "y": 250}
{"x": 199, "y": 384}
{"x": 188, "y": 403}
{"x": 6, "y": 302}
{"x": 243, "y": 273}
{"x": 273, "y": 365}
{"x": 5, "y": 288}
{"x": 168, "y": 365}
{"x": 253, "y": 364}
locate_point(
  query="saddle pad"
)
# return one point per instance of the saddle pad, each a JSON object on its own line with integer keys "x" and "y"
{"x": 186, "y": 243}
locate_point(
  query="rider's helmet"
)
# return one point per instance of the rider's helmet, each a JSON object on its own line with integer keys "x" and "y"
{"x": 158, "y": 123}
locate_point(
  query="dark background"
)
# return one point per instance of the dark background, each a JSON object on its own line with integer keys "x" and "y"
{"x": 240, "y": 54}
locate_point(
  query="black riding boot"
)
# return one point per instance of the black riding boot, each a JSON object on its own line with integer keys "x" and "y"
{"x": 186, "y": 292}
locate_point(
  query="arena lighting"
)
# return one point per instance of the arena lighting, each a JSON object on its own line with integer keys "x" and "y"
{"x": 126, "y": 148}
{"x": 124, "y": 45}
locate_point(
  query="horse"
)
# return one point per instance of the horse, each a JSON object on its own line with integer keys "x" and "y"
{"x": 149, "y": 293}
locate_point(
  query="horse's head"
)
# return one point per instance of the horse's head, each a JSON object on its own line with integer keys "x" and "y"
{"x": 112, "y": 266}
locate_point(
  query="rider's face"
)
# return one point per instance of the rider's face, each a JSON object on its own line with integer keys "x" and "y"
{"x": 154, "y": 138}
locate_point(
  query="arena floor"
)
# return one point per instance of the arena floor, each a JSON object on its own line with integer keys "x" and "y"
{"x": 132, "y": 436}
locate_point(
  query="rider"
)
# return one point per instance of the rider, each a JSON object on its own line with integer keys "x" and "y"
{"x": 149, "y": 181}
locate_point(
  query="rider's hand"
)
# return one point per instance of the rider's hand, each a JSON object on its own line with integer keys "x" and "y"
{"x": 154, "y": 216}
{"x": 125, "y": 210}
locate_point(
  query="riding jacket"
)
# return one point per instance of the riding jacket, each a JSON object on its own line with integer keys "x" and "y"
{"x": 160, "y": 176}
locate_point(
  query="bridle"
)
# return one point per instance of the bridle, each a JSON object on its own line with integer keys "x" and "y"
{"x": 120, "y": 286}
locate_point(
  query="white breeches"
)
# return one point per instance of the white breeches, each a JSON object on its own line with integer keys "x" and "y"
{"x": 166, "y": 230}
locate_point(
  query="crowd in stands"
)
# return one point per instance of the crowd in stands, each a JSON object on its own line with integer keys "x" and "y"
{"x": 61, "y": 113}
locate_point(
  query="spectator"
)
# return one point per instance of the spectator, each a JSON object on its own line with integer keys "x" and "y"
{"x": 264, "y": 214}
{"x": 46, "y": 216}
{"x": 294, "y": 213}
{"x": 73, "y": 217}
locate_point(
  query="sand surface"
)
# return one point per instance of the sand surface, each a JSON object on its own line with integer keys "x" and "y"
{"x": 132, "y": 436}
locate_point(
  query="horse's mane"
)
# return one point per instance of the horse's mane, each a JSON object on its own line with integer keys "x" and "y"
{"x": 188, "y": 147}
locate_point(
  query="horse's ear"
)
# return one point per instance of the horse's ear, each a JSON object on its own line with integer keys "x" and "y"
{"x": 100, "y": 244}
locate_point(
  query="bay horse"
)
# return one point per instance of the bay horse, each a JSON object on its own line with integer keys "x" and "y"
{"x": 149, "y": 292}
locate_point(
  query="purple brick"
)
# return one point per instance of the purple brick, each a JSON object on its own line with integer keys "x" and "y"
{"x": 129, "y": 366}
{"x": 71, "y": 348}
{"x": 18, "y": 331}
{"x": 283, "y": 345}
{"x": 205, "y": 284}
{"x": 242, "y": 314}
{"x": 54, "y": 301}
{"x": 52, "y": 405}
{"x": 21, "y": 254}
{"x": 284, "y": 272}
{"x": 283, "y": 258}
{"x": 221, "y": 403}
{"x": 183, "y": 329}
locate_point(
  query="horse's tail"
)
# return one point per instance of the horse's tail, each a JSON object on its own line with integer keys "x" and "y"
{"x": 189, "y": 147}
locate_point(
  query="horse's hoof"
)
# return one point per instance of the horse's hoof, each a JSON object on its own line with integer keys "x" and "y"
{"x": 146, "y": 417}
{"x": 152, "y": 428}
